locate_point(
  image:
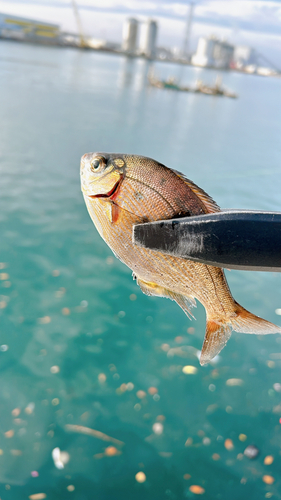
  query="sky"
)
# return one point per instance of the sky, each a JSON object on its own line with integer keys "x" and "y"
{"x": 249, "y": 22}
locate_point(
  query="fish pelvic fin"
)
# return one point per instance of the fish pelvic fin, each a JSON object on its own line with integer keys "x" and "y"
{"x": 185, "y": 302}
{"x": 218, "y": 332}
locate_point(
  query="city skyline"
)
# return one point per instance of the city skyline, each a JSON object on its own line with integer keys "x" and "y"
{"x": 251, "y": 22}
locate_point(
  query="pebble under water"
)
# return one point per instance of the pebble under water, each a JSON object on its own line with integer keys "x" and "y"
{"x": 101, "y": 391}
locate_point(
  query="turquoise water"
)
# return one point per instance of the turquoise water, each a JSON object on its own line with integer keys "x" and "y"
{"x": 80, "y": 345}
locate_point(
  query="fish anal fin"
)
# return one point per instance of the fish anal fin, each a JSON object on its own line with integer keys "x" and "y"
{"x": 216, "y": 336}
{"x": 185, "y": 302}
{"x": 246, "y": 322}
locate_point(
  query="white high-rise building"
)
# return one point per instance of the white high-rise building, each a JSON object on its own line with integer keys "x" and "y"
{"x": 213, "y": 52}
{"x": 244, "y": 55}
{"x": 130, "y": 34}
{"x": 147, "y": 45}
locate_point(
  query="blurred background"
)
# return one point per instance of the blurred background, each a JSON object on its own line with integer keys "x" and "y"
{"x": 101, "y": 391}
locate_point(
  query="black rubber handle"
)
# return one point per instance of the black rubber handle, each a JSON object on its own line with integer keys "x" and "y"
{"x": 234, "y": 239}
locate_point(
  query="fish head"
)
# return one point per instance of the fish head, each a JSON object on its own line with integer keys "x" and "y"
{"x": 101, "y": 174}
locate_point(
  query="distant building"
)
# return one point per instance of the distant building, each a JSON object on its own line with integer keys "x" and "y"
{"x": 164, "y": 54}
{"x": 250, "y": 68}
{"x": 20, "y": 28}
{"x": 99, "y": 44}
{"x": 148, "y": 35}
{"x": 213, "y": 52}
{"x": 243, "y": 56}
{"x": 266, "y": 71}
{"x": 130, "y": 35}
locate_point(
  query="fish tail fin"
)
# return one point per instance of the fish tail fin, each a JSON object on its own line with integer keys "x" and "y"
{"x": 219, "y": 331}
{"x": 216, "y": 336}
{"x": 246, "y": 322}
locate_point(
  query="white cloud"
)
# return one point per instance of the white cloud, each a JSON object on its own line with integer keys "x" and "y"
{"x": 244, "y": 10}
{"x": 257, "y": 22}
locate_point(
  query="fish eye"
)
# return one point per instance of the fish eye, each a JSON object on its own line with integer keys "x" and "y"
{"x": 97, "y": 163}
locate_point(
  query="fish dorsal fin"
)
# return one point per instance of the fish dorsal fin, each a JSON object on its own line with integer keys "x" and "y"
{"x": 208, "y": 202}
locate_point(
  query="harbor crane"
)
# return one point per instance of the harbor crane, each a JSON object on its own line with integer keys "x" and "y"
{"x": 83, "y": 43}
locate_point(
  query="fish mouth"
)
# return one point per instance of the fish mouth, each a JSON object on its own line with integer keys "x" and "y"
{"x": 110, "y": 193}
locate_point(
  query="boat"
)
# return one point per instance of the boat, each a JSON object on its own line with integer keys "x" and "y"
{"x": 200, "y": 87}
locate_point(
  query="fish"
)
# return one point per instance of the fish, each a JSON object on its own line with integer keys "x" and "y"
{"x": 122, "y": 190}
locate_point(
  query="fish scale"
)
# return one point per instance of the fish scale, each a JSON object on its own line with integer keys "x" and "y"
{"x": 143, "y": 260}
{"x": 123, "y": 190}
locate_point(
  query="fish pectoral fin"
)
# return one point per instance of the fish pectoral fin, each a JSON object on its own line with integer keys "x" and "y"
{"x": 111, "y": 211}
{"x": 185, "y": 302}
{"x": 115, "y": 212}
{"x": 216, "y": 336}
